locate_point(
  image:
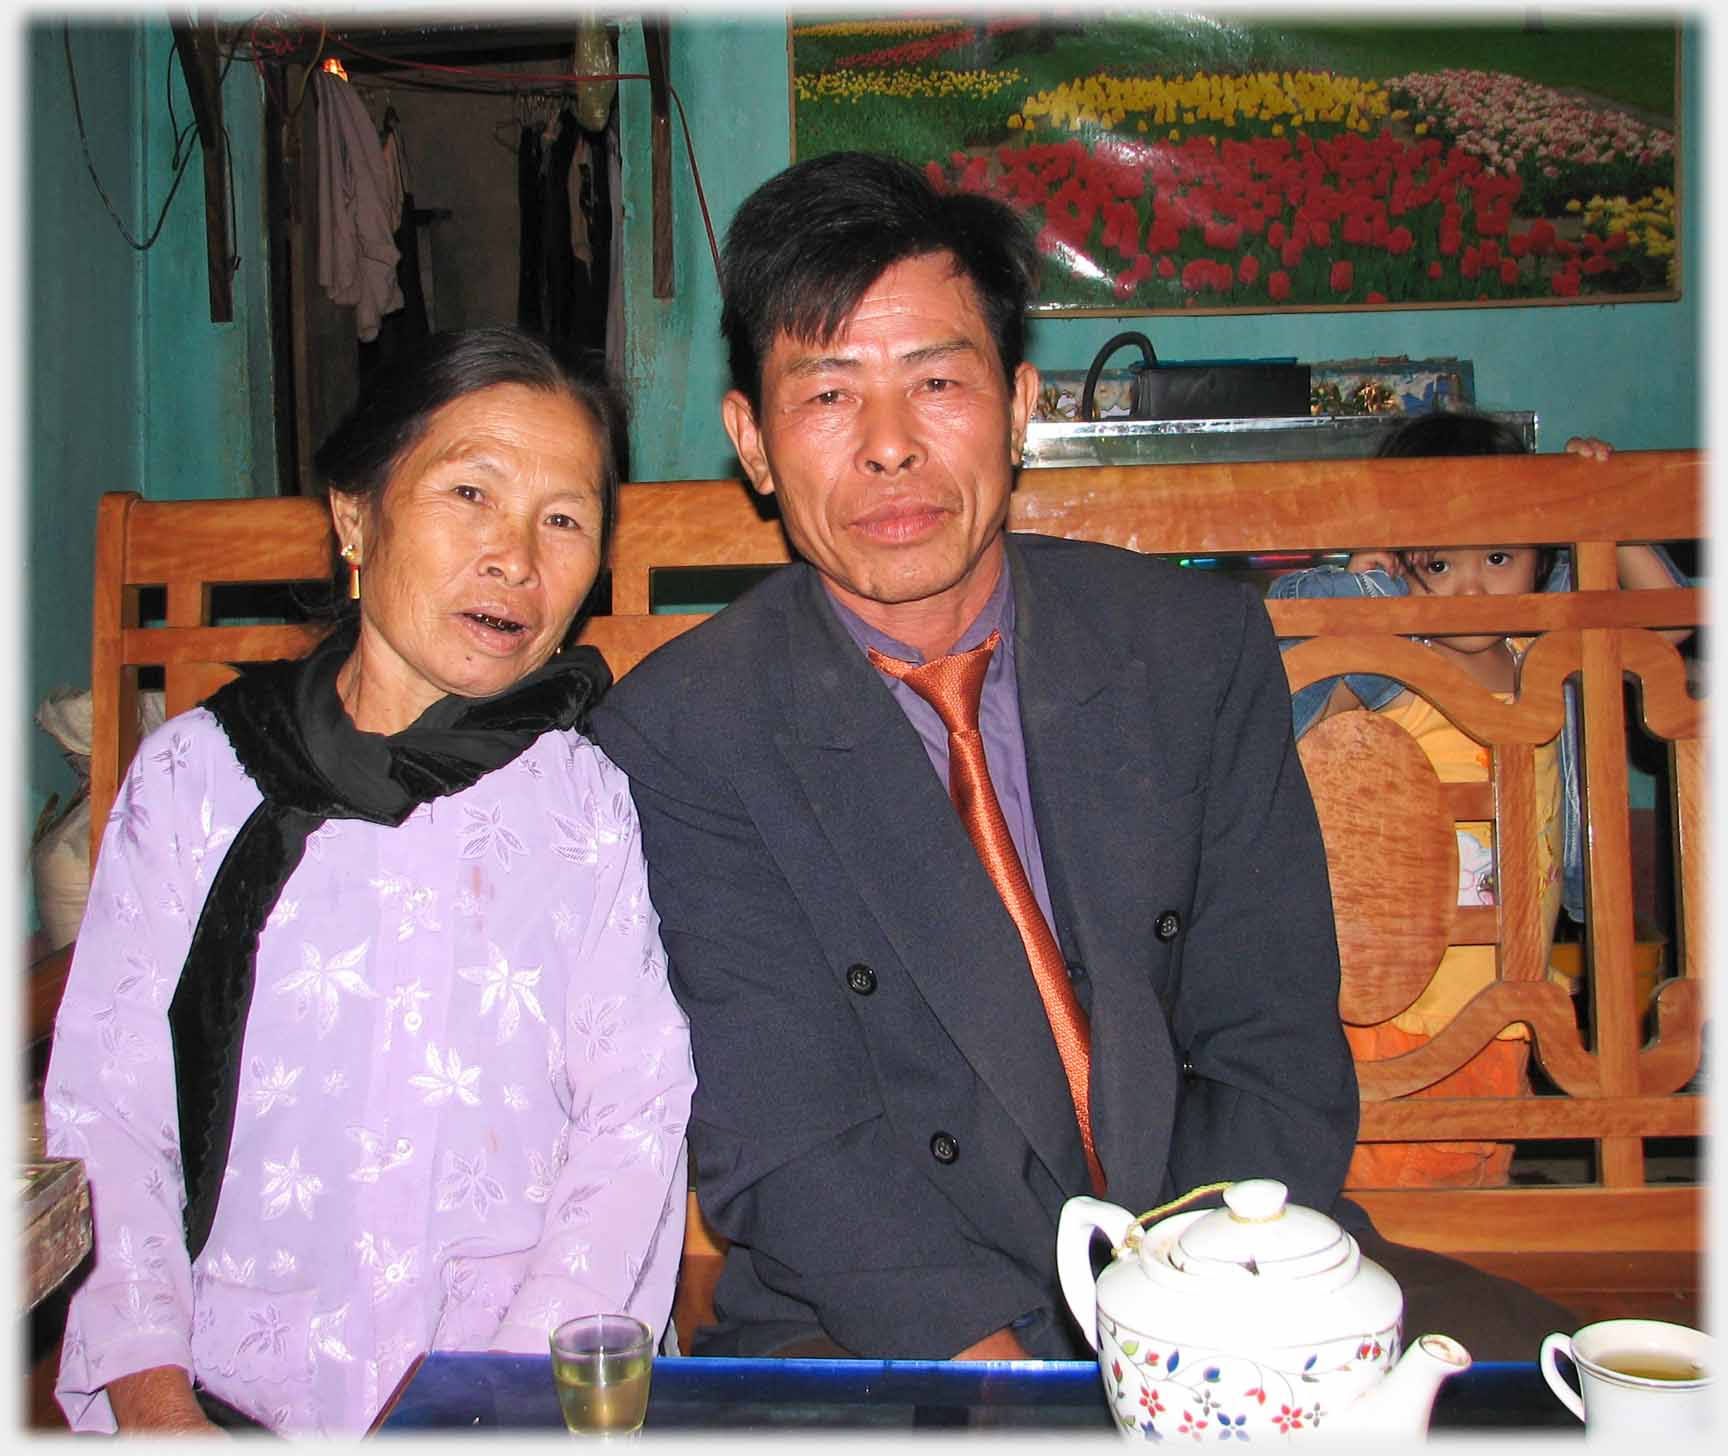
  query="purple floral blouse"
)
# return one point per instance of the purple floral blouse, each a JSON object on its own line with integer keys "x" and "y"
{"x": 463, "y": 1091}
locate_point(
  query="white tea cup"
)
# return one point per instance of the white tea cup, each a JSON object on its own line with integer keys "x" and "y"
{"x": 1643, "y": 1378}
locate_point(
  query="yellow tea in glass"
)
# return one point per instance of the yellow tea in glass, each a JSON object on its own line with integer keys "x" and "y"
{"x": 601, "y": 1364}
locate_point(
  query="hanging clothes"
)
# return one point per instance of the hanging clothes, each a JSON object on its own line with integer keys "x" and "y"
{"x": 565, "y": 191}
{"x": 358, "y": 212}
{"x": 402, "y": 332}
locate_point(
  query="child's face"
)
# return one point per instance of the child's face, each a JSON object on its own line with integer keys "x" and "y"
{"x": 1495, "y": 571}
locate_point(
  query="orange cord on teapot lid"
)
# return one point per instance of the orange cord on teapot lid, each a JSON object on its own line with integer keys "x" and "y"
{"x": 1138, "y": 1226}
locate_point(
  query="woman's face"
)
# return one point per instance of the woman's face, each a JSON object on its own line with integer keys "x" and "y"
{"x": 475, "y": 556}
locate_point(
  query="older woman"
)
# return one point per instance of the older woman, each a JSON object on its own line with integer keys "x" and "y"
{"x": 369, "y": 975}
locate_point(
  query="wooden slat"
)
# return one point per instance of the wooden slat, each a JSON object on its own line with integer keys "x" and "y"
{"x": 1520, "y": 615}
{"x": 1597, "y": 1284}
{"x": 625, "y": 641}
{"x": 1508, "y": 1119}
{"x": 263, "y": 539}
{"x": 1507, "y": 1220}
{"x": 687, "y": 523}
{"x": 1329, "y": 505}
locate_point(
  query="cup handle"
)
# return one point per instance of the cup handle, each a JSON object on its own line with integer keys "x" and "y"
{"x": 1555, "y": 1345}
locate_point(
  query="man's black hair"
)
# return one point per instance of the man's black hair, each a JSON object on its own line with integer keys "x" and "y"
{"x": 809, "y": 243}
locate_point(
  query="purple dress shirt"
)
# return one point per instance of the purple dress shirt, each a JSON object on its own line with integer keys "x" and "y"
{"x": 998, "y": 720}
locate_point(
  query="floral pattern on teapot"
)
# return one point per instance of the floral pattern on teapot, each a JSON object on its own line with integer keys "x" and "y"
{"x": 1160, "y": 1391}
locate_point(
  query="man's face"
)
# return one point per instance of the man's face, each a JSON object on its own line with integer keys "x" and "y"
{"x": 891, "y": 448}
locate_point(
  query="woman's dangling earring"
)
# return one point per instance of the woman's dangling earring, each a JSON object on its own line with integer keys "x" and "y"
{"x": 351, "y": 554}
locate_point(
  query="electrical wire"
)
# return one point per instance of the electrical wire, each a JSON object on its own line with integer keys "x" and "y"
{"x": 181, "y": 158}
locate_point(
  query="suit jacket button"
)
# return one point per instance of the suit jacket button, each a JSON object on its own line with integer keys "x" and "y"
{"x": 1167, "y": 925}
{"x": 943, "y": 1148}
{"x": 861, "y": 979}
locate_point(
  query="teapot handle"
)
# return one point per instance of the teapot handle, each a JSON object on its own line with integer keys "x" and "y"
{"x": 1074, "y": 1255}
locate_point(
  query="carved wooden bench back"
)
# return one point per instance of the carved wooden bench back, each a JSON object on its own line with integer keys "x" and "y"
{"x": 1396, "y": 904}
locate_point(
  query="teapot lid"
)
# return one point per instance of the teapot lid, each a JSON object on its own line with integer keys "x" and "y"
{"x": 1260, "y": 1233}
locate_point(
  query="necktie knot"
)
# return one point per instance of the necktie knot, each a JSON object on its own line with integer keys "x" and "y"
{"x": 952, "y": 685}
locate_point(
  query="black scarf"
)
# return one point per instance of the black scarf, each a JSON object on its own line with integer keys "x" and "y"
{"x": 291, "y": 734}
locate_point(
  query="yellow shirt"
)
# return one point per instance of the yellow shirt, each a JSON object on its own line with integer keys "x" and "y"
{"x": 1458, "y": 759}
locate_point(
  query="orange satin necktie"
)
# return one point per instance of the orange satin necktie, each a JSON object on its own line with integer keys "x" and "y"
{"x": 953, "y": 686}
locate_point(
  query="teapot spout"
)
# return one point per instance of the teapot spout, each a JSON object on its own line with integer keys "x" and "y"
{"x": 1401, "y": 1403}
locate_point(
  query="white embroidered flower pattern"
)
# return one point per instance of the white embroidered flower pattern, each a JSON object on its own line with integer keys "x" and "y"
{"x": 466, "y": 1180}
{"x": 322, "y": 984}
{"x": 273, "y": 1086}
{"x": 283, "y": 1263}
{"x": 144, "y": 974}
{"x": 289, "y": 1185}
{"x": 213, "y": 843}
{"x": 321, "y": 836}
{"x": 173, "y": 758}
{"x": 651, "y": 1134}
{"x": 514, "y": 1097}
{"x": 124, "y": 1051}
{"x": 146, "y": 1312}
{"x": 603, "y": 825}
{"x": 269, "y": 1333}
{"x": 148, "y": 1261}
{"x": 630, "y": 915}
{"x": 379, "y": 1153}
{"x": 328, "y": 1336}
{"x": 446, "y": 1077}
{"x": 67, "y": 1119}
{"x": 575, "y": 1208}
{"x": 486, "y": 830}
{"x": 416, "y": 906}
{"x": 598, "y": 1021}
{"x": 173, "y": 905}
{"x": 512, "y": 990}
{"x": 128, "y": 818}
{"x": 407, "y": 998}
{"x": 286, "y": 912}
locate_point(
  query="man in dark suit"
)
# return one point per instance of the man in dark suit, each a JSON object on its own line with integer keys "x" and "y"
{"x": 889, "y": 1116}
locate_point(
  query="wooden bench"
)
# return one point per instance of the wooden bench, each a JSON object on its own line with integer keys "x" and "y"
{"x": 1614, "y": 1243}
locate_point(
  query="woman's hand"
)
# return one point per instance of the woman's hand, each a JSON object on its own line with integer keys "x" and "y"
{"x": 158, "y": 1401}
{"x": 1589, "y": 447}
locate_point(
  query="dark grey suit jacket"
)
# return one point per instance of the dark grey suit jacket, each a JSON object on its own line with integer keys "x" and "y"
{"x": 859, "y": 1000}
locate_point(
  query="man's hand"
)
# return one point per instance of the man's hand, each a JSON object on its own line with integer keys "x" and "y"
{"x": 1003, "y": 1345}
{"x": 1589, "y": 447}
{"x": 158, "y": 1401}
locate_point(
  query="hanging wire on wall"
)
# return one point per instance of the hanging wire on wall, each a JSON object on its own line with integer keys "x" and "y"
{"x": 182, "y": 151}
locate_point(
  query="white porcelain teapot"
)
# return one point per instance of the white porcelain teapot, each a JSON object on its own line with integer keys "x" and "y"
{"x": 1261, "y": 1319}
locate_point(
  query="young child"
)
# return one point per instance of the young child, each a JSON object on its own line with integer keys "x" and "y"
{"x": 1502, "y": 1068}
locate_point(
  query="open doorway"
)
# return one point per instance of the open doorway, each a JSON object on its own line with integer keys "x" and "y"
{"x": 429, "y": 177}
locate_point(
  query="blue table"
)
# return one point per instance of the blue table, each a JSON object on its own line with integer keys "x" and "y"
{"x": 449, "y": 1391}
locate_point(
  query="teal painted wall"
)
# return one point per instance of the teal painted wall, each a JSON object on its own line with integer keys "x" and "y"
{"x": 1627, "y": 373}
{"x": 127, "y": 383}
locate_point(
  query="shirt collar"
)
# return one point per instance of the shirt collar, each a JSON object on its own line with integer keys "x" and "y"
{"x": 996, "y": 614}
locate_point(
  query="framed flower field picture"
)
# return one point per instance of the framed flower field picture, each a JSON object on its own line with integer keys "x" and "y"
{"x": 1227, "y": 163}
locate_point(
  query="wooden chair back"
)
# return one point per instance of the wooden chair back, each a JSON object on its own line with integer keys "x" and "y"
{"x": 1615, "y": 1088}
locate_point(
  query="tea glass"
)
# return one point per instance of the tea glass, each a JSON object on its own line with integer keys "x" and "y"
{"x": 601, "y": 1364}
{"x": 1643, "y": 1378}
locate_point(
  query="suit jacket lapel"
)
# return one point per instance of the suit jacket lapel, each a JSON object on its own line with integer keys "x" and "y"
{"x": 1083, "y": 701}
{"x": 870, "y": 786}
